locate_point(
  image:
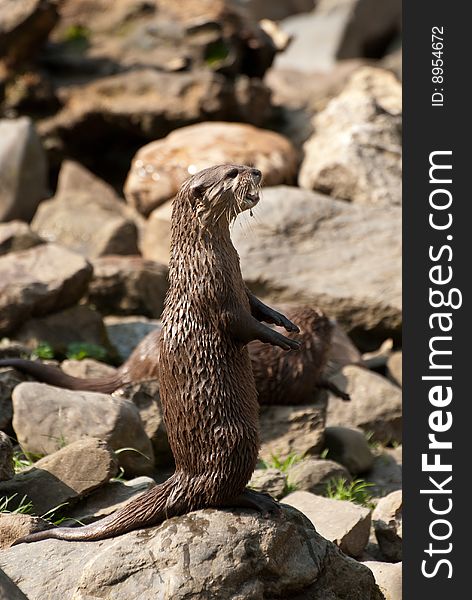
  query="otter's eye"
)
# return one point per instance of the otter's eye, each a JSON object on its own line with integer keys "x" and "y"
{"x": 232, "y": 174}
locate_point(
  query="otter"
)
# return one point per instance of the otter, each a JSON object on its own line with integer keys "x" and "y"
{"x": 293, "y": 378}
{"x": 281, "y": 378}
{"x": 207, "y": 388}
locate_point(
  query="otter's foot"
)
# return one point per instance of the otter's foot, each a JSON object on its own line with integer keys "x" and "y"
{"x": 263, "y": 503}
{"x": 333, "y": 388}
{"x": 262, "y": 312}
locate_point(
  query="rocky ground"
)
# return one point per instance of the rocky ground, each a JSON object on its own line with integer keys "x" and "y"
{"x": 105, "y": 109}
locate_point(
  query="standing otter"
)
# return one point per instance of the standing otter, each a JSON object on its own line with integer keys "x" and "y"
{"x": 207, "y": 387}
{"x": 281, "y": 378}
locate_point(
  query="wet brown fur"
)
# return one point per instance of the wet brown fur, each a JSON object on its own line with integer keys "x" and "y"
{"x": 280, "y": 378}
{"x": 207, "y": 389}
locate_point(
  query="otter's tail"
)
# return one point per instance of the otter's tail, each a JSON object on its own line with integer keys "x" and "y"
{"x": 54, "y": 376}
{"x": 150, "y": 508}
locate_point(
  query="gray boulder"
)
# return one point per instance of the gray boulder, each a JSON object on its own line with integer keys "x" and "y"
{"x": 218, "y": 555}
{"x": 17, "y": 235}
{"x": 23, "y": 168}
{"x": 6, "y": 458}
{"x": 45, "y": 417}
{"x": 39, "y": 281}
{"x": 305, "y": 247}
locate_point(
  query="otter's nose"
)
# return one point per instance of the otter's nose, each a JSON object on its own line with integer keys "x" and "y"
{"x": 256, "y": 174}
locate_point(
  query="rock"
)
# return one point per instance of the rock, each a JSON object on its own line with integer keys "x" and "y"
{"x": 8, "y": 590}
{"x": 275, "y": 11}
{"x": 339, "y": 29}
{"x": 15, "y": 236}
{"x": 14, "y": 526}
{"x": 23, "y": 168}
{"x": 344, "y": 523}
{"x": 86, "y": 216}
{"x": 355, "y": 152}
{"x": 375, "y": 407}
{"x": 39, "y": 281}
{"x": 78, "y": 324}
{"x": 159, "y": 168}
{"x": 313, "y": 475}
{"x": 108, "y": 498}
{"x": 350, "y": 448}
{"x": 216, "y": 554}
{"x": 286, "y": 430}
{"x": 6, "y": 457}
{"x": 296, "y": 89}
{"x": 270, "y": 481}
{"x": 385, "y": 474}
{"x": 388, "y": 577}
{"x": 394, "y": 367}
{"x": 128, "y": 285}
{"x": 387, "y": 519}
{"x": 24, "y": 26}
{"x": 9, "y": 379}
{"x": 155, "y": 244}
{"x": 342, "y": 351}
{"x": 166, "y": 37}
{"x": 125, "y": 333}
{"x": 369, "y": 28}
{"x": 64, "y": 476}
{"x": 66, "y": 416}
{"x": 87, "y": 368}
{"x": 145, "y": 396}
{"x": 299, "y": 248}
{"x": 133, "y": 105}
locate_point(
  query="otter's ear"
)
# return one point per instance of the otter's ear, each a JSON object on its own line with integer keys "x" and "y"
{"x": 197, "y": 190}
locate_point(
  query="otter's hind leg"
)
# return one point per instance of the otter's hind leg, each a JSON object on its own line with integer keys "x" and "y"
{"x": 260, "y": 501}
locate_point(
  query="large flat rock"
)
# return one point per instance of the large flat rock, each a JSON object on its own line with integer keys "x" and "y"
{"x": 39, "y": 281}
{"x": 209, "y": 555}
{"x": 308, "y": 248}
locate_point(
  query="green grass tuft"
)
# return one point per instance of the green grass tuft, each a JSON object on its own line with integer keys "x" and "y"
{"x": 353, "y": 491}
{"x": 81, "y": 350}
{"x": 276, "y": 462}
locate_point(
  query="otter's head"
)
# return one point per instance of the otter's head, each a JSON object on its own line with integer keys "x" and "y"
{"x": 222, "y": 192}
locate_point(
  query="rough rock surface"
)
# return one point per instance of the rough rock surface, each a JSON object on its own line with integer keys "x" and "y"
{"x": 64, "y": 476}
{"x": 88, "y": 368}
{"x": 385, "y": 474}
{"x": 388, "y": 577}
{"x": 86, "y": 216}
{"x": 313, "y": 475}
{"x": 125, "y": 333}
{"x": 8, "y": 590}
{"x": 387, "y": 519}
{"x": 350, "y": 448}
{"x": 159, "y": 168}
{"x": 6, "y": 457}
{"x": 14, "y": 526}
{"x": 375, "y": 407}
{"x": 305, "y": 247}
{"x": 394, "y": 367}
{"x": 219, "y": 554}
{"x": 78, "y": 324}
{"x": 286, "y": 430}
{"x": 147, "y": 104}
{"x": 344, "y": 523}
{"x": 342, "y": 351}
{"x": 23, "y": 168}
{"x": 16, "y": 235}
{"x": 128, "y": 285}
{"x": 39, "y": 281}
{"x": 155, "y": 243}
{"x": 355, "y": 152}
{"x": 65, "y": 416}
{"x": 271, "y": 481}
